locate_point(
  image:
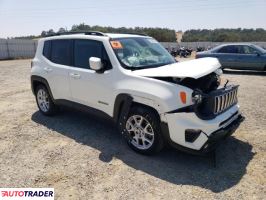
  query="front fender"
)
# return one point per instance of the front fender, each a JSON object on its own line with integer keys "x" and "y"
{"x": 160, "y": 95}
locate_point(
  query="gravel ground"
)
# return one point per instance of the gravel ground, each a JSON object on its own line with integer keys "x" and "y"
{"x": 83, "y": 157}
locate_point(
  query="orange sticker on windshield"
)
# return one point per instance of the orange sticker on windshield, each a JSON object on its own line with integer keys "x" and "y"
{"x": 116, "y": 45}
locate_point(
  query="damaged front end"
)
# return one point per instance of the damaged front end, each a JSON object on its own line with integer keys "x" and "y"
{"x": 213, "y": 116}
{"x": 209, "y": 97}
{"x": 204, "y": 84}
{"x": 215, "y": 102}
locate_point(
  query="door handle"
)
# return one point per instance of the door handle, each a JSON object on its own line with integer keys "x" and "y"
{"x": 47, "y": 69}
{"x": 75, "y": 75}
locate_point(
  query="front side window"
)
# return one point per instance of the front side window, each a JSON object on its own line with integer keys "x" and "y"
{"x": 84, "y": 49}
{"x": 140, "y": 53}
{"x": 258, "y": 49}
{"x": 61, "y": 52}
{"x": 247, "y": 50}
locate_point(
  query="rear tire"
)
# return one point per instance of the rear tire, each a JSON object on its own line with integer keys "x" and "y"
{"x": 44, "y": 101}
{"x": 143, "y": 131}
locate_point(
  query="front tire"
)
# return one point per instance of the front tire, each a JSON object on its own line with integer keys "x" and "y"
{"x": 44, "y": 101}
{"x": 143, "y": 132}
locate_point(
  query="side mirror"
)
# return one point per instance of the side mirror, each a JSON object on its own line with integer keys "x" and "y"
{"x": 257, "y": 53}
{"x": 95, "y": 63}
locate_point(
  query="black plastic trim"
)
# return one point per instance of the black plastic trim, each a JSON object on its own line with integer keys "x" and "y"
{"x": 191, "y": 135}
{"x": 224, "y": 122}
{"x": 38, "y": 79}
{"x": 83, "y": 108}
{"x": 186, "y": 109}
{"x": 210, "y": 100}
{"x": 195, "y": 107}
{"x": 94, "y": 33}
{"x": 212, "y": 142}
{"x": 122, "y": 105}
{"x": 170, "y": 143}
{"x": 221, "y": 134}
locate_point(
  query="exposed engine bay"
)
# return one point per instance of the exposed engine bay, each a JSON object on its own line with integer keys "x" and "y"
{"x": 205, "y": 84}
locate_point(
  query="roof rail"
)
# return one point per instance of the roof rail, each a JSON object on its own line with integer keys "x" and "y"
{"x": 97, "y": 33}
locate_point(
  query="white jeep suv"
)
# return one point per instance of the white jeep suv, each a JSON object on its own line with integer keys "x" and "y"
{"x": 132, "y": 79}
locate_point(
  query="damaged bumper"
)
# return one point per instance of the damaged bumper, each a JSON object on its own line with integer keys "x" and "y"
{"x": 187, "y": 132}
{"x": 220, "y": 134}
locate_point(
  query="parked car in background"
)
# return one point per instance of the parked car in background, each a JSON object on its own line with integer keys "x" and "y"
{"x": 238, "y": 56}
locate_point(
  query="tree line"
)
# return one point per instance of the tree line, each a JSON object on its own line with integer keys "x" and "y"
{"x": 169, "y": 35}
{"x": 161, "y": 34}
{"x": 225, "y": 35}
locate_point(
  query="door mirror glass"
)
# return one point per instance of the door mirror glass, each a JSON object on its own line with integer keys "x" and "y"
{"x": 95, "y": 63}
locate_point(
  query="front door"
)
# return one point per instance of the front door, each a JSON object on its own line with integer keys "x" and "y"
{"x": 87, "y": 86}
{"x": 249, "y": 58}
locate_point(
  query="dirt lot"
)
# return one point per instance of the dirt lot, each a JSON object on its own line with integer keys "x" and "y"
{"x": 83, "y": 157}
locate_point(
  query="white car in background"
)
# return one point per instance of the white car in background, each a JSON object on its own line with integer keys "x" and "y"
{"x": 132, "y": 79}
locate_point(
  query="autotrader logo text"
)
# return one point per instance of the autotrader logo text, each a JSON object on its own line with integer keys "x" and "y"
{"x": 27, "y": 193}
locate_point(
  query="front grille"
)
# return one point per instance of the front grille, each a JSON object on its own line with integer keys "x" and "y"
{"x": 217, "y": 102}
{"x": 225, "y": 101}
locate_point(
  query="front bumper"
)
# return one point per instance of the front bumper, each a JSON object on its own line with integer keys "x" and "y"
{"x": 221, "y": 134}
{"x": 211, "y": 131}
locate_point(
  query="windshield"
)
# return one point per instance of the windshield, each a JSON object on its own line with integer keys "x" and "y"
{"x": 140, "y": 53}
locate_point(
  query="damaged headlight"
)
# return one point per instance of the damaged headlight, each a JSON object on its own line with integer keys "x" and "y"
{"x": 196, "y": 97}
{"x": 219, "y": 72}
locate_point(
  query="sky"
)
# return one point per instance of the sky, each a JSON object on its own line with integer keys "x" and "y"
{"x": 31, "y": 17}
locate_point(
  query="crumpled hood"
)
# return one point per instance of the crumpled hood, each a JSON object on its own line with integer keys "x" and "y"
{"x": 192, "y": 69}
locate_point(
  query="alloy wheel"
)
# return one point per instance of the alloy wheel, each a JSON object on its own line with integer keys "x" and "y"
{"x": 140, "y": 132}
{"x": 43, "y": 100}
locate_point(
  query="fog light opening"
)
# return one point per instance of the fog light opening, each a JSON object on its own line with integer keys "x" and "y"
{"x": 192, "y": 134}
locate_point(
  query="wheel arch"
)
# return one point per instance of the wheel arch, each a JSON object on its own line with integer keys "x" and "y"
{"x": 38, "y": 80}
{"x": 124, "y": 102}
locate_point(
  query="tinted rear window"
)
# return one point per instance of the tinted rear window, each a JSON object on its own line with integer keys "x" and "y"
{"x": 47, "y": 49}
{"x": 61, "y": 52}
{"x": 228, "y": 49}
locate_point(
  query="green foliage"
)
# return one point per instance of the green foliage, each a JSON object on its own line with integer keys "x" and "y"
{"x": 161, "y": 34}
{"x": 168, "y": 35}
{"x": 225, "y": 35}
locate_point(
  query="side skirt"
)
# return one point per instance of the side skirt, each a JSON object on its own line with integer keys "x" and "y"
{"x": 83, "y": 108}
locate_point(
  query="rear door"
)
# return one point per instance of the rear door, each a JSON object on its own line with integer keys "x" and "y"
{"x": 58, "y": 54}
{"x": 89, "y": 87}
{"x": 227, "y": 56}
